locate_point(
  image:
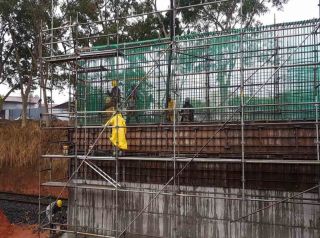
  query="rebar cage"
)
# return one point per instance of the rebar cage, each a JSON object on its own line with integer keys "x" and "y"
{"x": 281, "y": 82}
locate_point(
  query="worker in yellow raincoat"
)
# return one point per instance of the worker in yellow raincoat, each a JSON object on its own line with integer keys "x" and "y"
{"x": 119, "y": 130}
{"x": 171, "y": 105}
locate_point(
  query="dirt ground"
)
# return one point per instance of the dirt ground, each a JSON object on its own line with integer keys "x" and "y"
{"x": 8, "y": 230}
{"x": 24, "y": 180}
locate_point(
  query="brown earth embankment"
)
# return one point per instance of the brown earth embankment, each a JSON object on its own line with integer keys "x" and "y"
{"x": 20, "y": 151}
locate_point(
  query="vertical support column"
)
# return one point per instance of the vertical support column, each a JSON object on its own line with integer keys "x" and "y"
{"x": 242, "y": 107}
{"x": 101, "y": 108}
{"x": 208, "y": 84}
{"x": 276, "y": 76}
{"x": 125, "y": 89}
{"x": 242, "y": 103}
{"x": 159, "y": 82}
{"x": 49, "y": 119}
{"x": 172, "y": 29}
{"x": 76, "y": 130}
{"x": 51, "y": 43}
{"x": 40, "y": 148}
{"x": 117, "y": 125}
{"x": 84, "y": 120}
{"x": 316, "y": 88}
{"x": 171, "y": 78}
{"x": 72, "y": 111}
{"x": 71, "y": 93}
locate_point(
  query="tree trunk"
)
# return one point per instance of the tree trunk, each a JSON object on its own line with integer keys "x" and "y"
{"x": 1, "y": 103}
{"x": 24, "y": 95}
{"x": 46, "y": 108}
{"x": 24, "y": 98}
{"x": 44, "y": 80}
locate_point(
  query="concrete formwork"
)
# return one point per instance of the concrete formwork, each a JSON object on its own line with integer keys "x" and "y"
{"x": 189, "y": 216}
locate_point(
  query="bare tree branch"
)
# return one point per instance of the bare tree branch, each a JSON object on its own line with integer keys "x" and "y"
{"x": 160, "y": 19}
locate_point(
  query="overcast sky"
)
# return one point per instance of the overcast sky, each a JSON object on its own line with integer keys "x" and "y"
{"x": 295, "y": 10}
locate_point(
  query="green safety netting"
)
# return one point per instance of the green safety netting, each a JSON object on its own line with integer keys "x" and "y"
{"x": 208, "y": 69}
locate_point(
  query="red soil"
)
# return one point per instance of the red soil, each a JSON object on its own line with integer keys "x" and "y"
{"x": 24, "y": 180}
{"x": 8, "y": 230}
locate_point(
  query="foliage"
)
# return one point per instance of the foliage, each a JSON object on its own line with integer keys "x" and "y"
{"x": 22, "y": 35}
{"x": 226, "y": 15}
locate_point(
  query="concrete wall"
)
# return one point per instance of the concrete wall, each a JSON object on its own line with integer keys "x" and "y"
{"x": 194, "y": 217}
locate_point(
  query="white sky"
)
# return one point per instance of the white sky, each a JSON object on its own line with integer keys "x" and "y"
{"x": 295, "y": 10}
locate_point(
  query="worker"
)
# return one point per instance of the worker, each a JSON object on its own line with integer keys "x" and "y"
{"x": 132, "y": 100}
{"x": 113, "y": 98}
{"x": 109, "y": 107}
{"x": 114, "y": 95}
{"x": 187, "y": 115}
{"x": 52, "y": 210}
{"x": 171, "y": 104}
{"x": 119, "y": 130}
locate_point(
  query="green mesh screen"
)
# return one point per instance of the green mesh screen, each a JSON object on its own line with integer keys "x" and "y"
{"x": 207, "y": 68}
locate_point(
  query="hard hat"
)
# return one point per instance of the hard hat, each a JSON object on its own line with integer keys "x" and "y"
{"x": 114, "y": 83}
{"x": 59, "y": 203}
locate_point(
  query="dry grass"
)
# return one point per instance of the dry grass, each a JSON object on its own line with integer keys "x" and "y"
{"x": 23, "y": 147}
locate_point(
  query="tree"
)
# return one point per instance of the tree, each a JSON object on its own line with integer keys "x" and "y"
{"x": 104, "y": 12}
{"x": 225, "y": 15}
{"x": 6, "y": 52}
{"x": 23, "y": 20}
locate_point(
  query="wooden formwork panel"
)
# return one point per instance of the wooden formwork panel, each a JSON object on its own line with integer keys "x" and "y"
{"x": 261, "y": 141}
{"x": 257, "y": 176}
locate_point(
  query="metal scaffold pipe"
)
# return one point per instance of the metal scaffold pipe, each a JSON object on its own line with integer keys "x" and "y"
{"x": 166, "y": 63}
{"x": 213, "y": 136}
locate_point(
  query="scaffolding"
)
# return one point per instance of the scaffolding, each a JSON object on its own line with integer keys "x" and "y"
{"x": 267, "y": 74}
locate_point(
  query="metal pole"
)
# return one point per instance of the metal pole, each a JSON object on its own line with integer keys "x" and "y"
{"x": 52, "y": 12}
{"x": 101, "y": 92}
{"x": 172, "y": 29}
{"x": 277, "y": 75}
{"x": 76, "y": 129}
{"x": 276, "y": 203}
{"x": 51, "y": 112}
{"x": 117, "y": 123}
{"x": 242, "y": 105}
{"x": 40, "y": 148}
{"x": 159, "y": 83}
{"x": 315, "y": 88}
{"x": 242, "y": 118}
{"x": 208, "y": 85}
{"x": 86, "y": 85}
{"x": 171, "y": 78}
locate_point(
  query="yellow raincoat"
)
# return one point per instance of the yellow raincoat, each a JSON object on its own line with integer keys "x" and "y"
{"x": 171, "y": 106}
{"x": 118, "y": 135}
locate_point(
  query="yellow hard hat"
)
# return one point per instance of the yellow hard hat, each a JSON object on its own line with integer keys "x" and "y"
{"x": 114, "y": 83}
{"x": 59, "y": 203}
